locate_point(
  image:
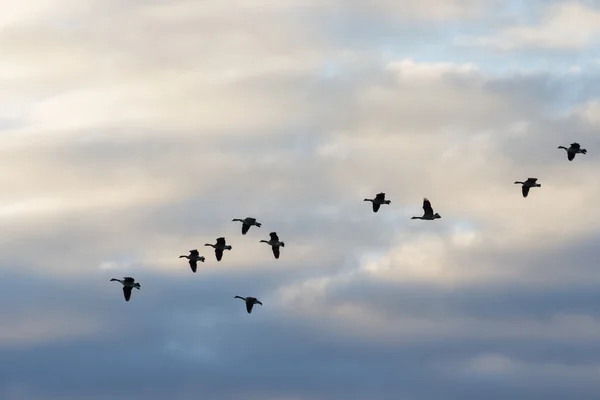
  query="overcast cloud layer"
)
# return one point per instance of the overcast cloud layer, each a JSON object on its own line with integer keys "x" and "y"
{"x": 132, "y": 132}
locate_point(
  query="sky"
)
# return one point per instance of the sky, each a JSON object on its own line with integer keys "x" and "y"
{"x": 133, "y": 132}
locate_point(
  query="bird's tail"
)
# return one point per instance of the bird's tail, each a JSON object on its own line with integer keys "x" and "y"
{"x": 583, "y": 151}
{"x": 258, "y": 224}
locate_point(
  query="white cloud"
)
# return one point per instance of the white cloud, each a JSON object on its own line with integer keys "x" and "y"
{"x": 563, "y": 26}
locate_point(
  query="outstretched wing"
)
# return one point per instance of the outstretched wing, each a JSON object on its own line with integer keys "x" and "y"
{"x": 376, "y": 206}
{"x": 219, "y": 254}
{"x": 275, "y": 251}
{"x": 532, "y": 180}
{"x": 427, "y": 207}
{"x": 193, "y": 265}
{"x": 250, "y": 220}
{"x": 525, "y": 190}
{"x": 245, "y": 228}
{"x": 571, "y": 155}
{"x": 221, "y": 241}
{"x": 380, "y": 197}
{"x": 274, "y": 236}
{"x": 194, "y": 252}
{"x": 128, "y": 279}
{"x": 127, "y": 292}
{"x": 249, "y": 305}
{"x": 575, "y": 146}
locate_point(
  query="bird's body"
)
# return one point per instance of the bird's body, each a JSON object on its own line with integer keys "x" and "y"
{"x": 428, "y": 213}
{"x": 194, "y": 257}
{"x": 250, "y": 302}
{"x": 378, "y": 201}
{"x": 247, "y": 223}
{"x": 128, "y": 284}
{"x": 219, "y": 247}
{"x": 528, "y": 184}
{"x": 275, "y": 243}
{"x": 573, "y": 150}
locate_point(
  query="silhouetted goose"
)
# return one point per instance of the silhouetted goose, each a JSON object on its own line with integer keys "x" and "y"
{"x": 378, "y": 201}
{"x": 247, "y": 223}
{"x": 529, "y": 183}
{"x": 219, "y": 247}
{"x": 250, "y": 301}
{"x": 428, "y": 212}
{"x": 128, "y": 284}
{"x": 573, "y": 150}
{"x": 194, "y": 257}
{"x": 274, "y": 243}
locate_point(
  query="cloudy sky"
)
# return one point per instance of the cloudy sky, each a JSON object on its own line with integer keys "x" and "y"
{"x": 132, "y": 132}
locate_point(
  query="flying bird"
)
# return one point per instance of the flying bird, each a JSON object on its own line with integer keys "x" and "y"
{"x": 428, "y": 212}
{"x": 250, "y": 301}
{"x": 528, "y": 184}
{"x": 274, "y": 243}
{"x": 128, "y": 284}
{"x": 194, "y": 257}
{"x": 573, "y": 150}
{"x": 247, "y": 223}
{"x": 378, "y": 201}
{"x": 219, "y": 247}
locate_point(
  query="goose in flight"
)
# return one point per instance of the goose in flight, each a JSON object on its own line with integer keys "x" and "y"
{"x": 247, "y": 223}
{"x": 250, "y": 301}
{"x": 528, "y": 184}
{"x": 428, "y": 212}
{"x": 219, "y": 247}
{"x": 128, "y": 284}
{"x": 573, "y": 150}
{"x": 194, "y": 257}
{"x": 378, "y": 201}
{"x": 274, "y": 243}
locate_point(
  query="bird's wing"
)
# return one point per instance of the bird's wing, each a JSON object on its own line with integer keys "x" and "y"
{"x": 525, "y": 190}
{"x": 193, "y": 265}
{"x": 376, "y": 206}
{"x": 427, "y": 207}
{"x": 221, "y": 241}
{"x": 250, "y": 220}
{"x": 127, "y": 292}
{"x": 571, "y": 155}
{"x": 531, "y": 180}
{"x": 275, "y": 251}
{"x": 249, "y": 306}
{"x": 245, "y": 228}
{"x": 128, "y": 279}
{"x": 274, "y": 236}
{"x": 380, "y": 196}
{"x": 575, "y": 146}
{"x": 194, "y": 252}
{"x": 219, "y": 254}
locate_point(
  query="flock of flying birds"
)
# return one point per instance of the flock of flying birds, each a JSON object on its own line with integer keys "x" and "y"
{"x": 221, "y": 245}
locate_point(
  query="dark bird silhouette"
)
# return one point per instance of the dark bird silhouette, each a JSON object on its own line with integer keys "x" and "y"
{"x": 219, "y": 247}
{"x": 528, "y": 184}
{"x": 274, "y": 243}
{"x": 194, "y": 257}
{"x": 428, "y": 212}
{"x": 378, "y": 201}
{"x": 247, "y": 223}
{"x": 573, "y": 150}
{"x": 250, "y": 302}
{"x": 128, "y": 284}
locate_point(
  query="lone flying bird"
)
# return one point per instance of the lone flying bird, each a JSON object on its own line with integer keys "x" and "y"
{"x": 128, "y": 284}
{"x": 219, "y": 247}
{"x": 573, "y": 150}
{"x": 274, "y": 243}
{"x": 528, "y": 184}
{"x": 378, "y": 201}
{"x": 194, "y": 257}
{"x": 250, "y": 301}
{"x": 247, "y": 223}
{"x": 428, "y": 212}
